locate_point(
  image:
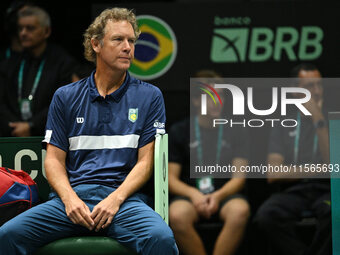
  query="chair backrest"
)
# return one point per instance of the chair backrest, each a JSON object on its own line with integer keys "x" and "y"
{"x": 334, "y": 142}
{"x": 27, "y": 154}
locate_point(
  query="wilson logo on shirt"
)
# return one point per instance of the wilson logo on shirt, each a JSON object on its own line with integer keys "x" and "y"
{"x": 80, "y": 120}
{"x": 133, "y": 114}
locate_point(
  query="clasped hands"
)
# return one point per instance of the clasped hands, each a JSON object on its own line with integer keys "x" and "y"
{"x": 20, "y": 128}
{"x": 100, "y": 217}
{"x": 205, "y": 204}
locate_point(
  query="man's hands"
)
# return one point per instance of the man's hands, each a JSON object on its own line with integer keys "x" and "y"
{"x": 100, "y": 217}
{"x": 103, "y": 212}
{"x": 20, "y": 129}
{"x": 213, "y": 203}
{"x": 79, "y": 213}
{"x": 199, "y": 201}
{"x": 315, "y": 109}
{"x": 206, "y": 205}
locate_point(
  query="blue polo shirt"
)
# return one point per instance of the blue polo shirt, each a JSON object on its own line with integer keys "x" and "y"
{"x": 101, "y": 136}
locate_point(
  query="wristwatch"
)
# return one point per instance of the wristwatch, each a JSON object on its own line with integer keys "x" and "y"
{"x": 320, "y": 124}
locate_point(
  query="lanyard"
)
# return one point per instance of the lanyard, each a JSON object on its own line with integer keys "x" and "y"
{"x": 200, "y": 149}
{"x": 36, "y": 80}
{"x": 297, "y": 140}
{"x": 8, "y": 53}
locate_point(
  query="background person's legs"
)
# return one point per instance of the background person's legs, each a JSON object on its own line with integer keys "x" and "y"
{"x": 235, "y": 214}
{"x": 182, "y": 218}
{"x": 322, "y": 241}
{"x": 276, "y": 219}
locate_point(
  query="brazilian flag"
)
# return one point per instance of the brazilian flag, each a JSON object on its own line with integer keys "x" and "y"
{"x": 155, "y": 49}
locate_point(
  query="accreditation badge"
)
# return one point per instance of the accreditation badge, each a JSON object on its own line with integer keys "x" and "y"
{"x": 205, "y": 184}
{"x": 25, "y": 109}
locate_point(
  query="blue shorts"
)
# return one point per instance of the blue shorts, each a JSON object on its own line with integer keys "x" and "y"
{"x": 136, "y": 225}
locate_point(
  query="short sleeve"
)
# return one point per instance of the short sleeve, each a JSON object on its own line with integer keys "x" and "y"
{"x": 55, "y": 132}
{"x": 155, "y": 119}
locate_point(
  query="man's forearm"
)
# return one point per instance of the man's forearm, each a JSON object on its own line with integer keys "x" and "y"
{"x": 178, "y": 187}
{"x": 58, "y": 179}
{"x": 323, "y": 143}
{"x": 76, "y": 210}
{"x": 322, "y": 133}
{"x": 138, "y": 176}
{"x": 235, "y": 184}
{"x": 231, "y": 187}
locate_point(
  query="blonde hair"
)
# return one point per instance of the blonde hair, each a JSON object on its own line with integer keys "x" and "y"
{"x": 97, "y": 29}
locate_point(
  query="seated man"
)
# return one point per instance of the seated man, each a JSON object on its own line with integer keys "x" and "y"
{"x": 307, "y": 143}
{"x": 30, "y": 78}
{"x": 100, "y": 140}
{"x": 213, "y": 199}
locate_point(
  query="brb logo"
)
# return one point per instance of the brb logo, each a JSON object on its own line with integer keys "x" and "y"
{"x": 259, "y": 44}
{"x": 238, "y": 99}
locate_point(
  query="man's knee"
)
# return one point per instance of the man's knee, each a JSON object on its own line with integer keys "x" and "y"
{"x": 3, "y": 237}
{"x": 179, "y": 222}
{"x": 161, "y": 241}
{"x": 237, "y": 213}
{"x": 7, "y": 239}
{"x": 9, "y": 231}
{"x": 166, "y": 242}
{"x": 3, "y": 241}
{"x": 181, "y": 217}
{"x": 264, "y": 218}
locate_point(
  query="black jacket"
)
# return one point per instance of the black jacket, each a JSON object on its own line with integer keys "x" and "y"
{"x": 57, "y": 71}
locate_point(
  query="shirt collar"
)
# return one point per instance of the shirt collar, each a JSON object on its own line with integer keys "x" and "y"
{"x": 116, "y": 96}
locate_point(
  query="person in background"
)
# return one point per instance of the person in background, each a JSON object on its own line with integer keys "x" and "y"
{"x": 207, "y": 199}
{"x": 299, "y": 195}
{"x": 11, "y": 28}
{"x": 31, "y": 77}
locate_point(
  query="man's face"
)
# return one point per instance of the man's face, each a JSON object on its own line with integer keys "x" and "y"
{"x": 311, "y": 80}
{"x": 118, "y": 45}
{"x": 31, "y": 33}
